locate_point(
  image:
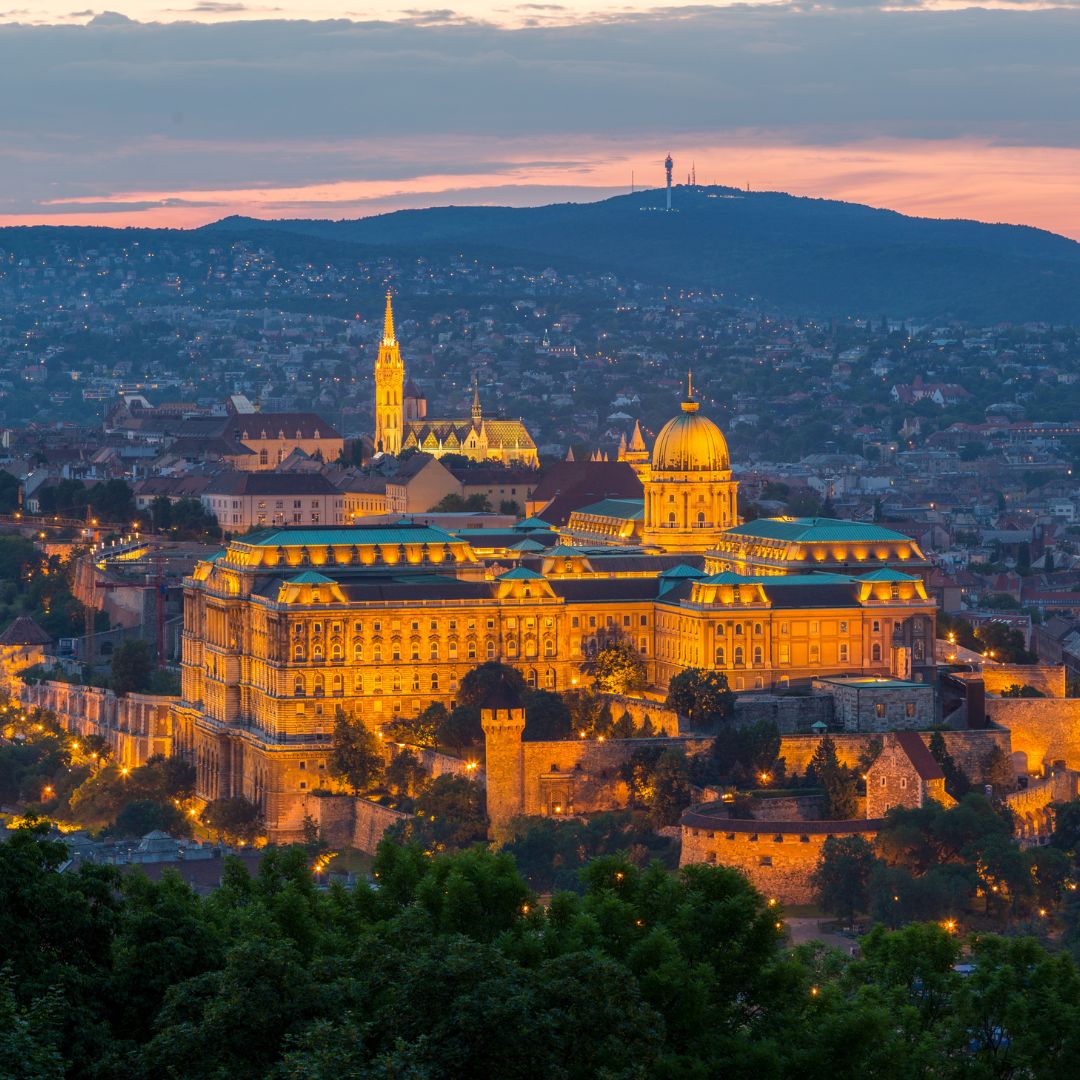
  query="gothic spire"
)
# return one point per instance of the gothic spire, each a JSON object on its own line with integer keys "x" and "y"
{"x": 388, "y": 321}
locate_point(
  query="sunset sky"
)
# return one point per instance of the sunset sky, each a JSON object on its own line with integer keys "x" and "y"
{"x": 178, "y": 114}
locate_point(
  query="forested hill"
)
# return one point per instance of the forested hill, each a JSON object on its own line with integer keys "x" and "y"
{"x": 803, "y": 255}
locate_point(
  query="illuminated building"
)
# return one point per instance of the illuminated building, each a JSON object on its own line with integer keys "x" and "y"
{"x": 402, "y": 423}
{"x": 288, "y": 625}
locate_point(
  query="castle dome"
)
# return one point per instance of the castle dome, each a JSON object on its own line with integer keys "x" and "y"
{"x": 690, "y": 442}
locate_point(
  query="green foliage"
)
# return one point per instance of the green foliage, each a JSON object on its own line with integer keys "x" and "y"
{"x": 356, "y": 755}
{"x": 957, "y": 783}
{"x": 235, "y": 820}
{"x": 458, "y": 504}
{"x": 489, "y": 678}
{"x": 618, "y": 669}
{"x": 740, "y": 754}
{"x": 1016, "y": 690}
{"x": 659, "y": 780}
{"x": 551, "y": 852}
{"x": 419, "y": 730}
{"x": 840, "y": 783}
{"x": 547, "y": 716}
{"x": 841, "y": 879}
{"x": 450, "y": 814}
{"x": 451, "y": 969}
{"x": 702, "y": 697}
{"x": 132, "y": 666}
{"x": 405, "y": 775}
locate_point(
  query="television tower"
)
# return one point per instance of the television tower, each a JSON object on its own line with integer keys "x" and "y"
{"x": 668, "y": 166}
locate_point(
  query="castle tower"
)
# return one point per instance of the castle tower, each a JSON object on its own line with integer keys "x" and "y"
{"x": 389, "y": 388}
{"x": 668, "y": 166}
{"x": 503, "y": 721}
{"x": 689, "y": 492}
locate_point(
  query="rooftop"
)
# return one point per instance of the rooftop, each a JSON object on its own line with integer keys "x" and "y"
{"x": 815, "y": 530}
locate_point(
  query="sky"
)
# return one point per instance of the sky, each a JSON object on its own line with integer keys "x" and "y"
{"x": 179, "y": 112}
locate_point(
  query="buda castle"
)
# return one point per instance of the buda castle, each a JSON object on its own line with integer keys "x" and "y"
{"x": 402, "y": 422}
{"x": 287, "y": 625}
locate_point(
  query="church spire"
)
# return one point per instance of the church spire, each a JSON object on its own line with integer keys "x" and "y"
{"x": 636, "y": 440}
{"x": 477, "y": 412}
{"x": 388, "y": 321}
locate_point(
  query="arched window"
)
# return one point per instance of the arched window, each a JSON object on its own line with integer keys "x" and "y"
{"x": 738, "y": 629}
{"x": 338, "y": 685}
{"x": 738, "y": 656}
{"x": 530, "y": 646}
{"x": 671, "y": 518}
{"x": 875, "y": 651}
{"x": 701, "y": 519}
{"x": 549, "y": 679}
{"x": 720, "y": 656}
{"x": 531, "y": 678}
{"x": 472, "y": 650}
{"x": 357, "y": 651}
{"x": 316, "y": 652}
{"x": 757, "y": 655}
{"x": 549, "y": 647}
{"x": 376, "y": 654}
{"x": 298, "y": 686}
{"x": 491, "y": 650}
{"x": 358, "y": 683}
{"x": 298, "y": 652}
{"x": 757, "y": 628}
{"x": 320, "y": 686}
{"x": 434, "y": 682}
{"x": 335, "y": 652}
{"x": 452, "y": 650}
{"x": 433, "y": 650}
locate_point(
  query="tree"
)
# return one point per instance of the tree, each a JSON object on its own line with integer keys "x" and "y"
{"x": 1000, "y": 772}
{"x": 405, "y": 775}
{"x": 450, "y": 814}
{"x": 235, "y": 820}
{"x": 419, "y": 730}
{"x": 142, "y": 816}
{"x": 1016, "y": 690}
{"x": 702, "y": 697}
{"x": 487, "y": 679}
{"x": 671, "y": 793}
{"x": 457, "y": 504}
{"x": 546, "y": 716}
{"x": 753, "y": 749}
{"x": 842, "y": 876}
{"x": 356, "y": 755}
{"x": 840, "y": 784}
{"x": 619, "y": 669}
{"x": 957, "y": 783}
{"x": 132, "y": 666}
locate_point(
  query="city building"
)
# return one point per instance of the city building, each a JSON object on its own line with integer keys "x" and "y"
{"x": 289, "y": 625}
{"x": 402, "y": 422}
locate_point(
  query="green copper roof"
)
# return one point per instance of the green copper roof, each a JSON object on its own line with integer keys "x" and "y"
{"x": 520, "y": 573}
{"x": 528, "y": 545}
{"x": 811, "y": 530}
{"x": 360, "y": 535}
{"x": 621, "y": 509}
{"x": 531, "y": 523}
{"x": 887, "y": 574}
{"x": 309, "y": 577}
{"x": 683, "y": 571}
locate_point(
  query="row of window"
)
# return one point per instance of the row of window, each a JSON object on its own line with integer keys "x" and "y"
{"x": 396, "y": 682}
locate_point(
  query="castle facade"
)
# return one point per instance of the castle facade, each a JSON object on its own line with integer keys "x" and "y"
{"x": 287, "y": 625}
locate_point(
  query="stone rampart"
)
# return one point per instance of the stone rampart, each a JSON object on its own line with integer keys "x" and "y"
{"x": 345, "y": 821}
{"x": 662, "y": 718}
{"x": 792, "y": 713}
{"x": 136, "y": 726}
{"x": 1049, "y": 678}
{"x": 777, "y": 857}
{"x": 970, "y": 749}
{"x": 1044, "y": 730}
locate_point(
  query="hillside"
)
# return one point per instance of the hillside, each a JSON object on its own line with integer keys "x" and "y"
{"x": 796, "y": 254}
